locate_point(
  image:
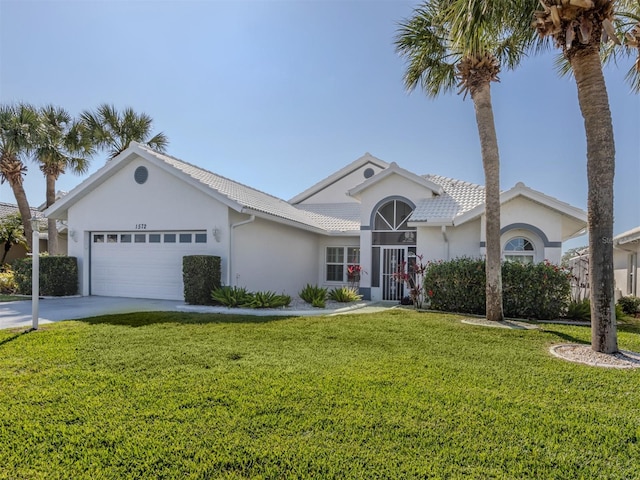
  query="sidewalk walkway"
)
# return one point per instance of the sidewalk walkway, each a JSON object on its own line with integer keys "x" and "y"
{"x": 18, "y": 314}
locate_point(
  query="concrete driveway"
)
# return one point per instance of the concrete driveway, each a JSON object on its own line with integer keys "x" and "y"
{"x": 18, "y": 314}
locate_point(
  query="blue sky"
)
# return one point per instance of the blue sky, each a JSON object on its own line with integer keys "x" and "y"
{"x": 280, "y": 94}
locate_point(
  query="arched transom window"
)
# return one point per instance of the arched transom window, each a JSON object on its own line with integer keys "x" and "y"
{"x": 519, "y": 249}
{"x": 390, "y": 224}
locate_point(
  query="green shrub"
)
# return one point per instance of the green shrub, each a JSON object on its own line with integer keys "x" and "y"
{"x": 539, "y": 290}
{"x": 579, "y": 310}
{"x": 267, "y": 299}
{"x": 231, "y": 296}
{"x": 7, "y": 282}
{"x": 630, "y": 305}
{"x": 200, "y": 275}
{"x": 314, "y": 295}
{"x": 58, "y": 275}
{"x": 456, "y": 285}
{"x": 344, "y": 294}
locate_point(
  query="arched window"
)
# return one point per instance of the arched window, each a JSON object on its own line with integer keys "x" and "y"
{"x": 519, "y": 249}
{"x": 390, "y": 224}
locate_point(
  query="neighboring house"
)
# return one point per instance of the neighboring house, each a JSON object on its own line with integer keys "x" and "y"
{"x": 626, "y": 249}
{"x": 18, "y": 251}
{"x": 132, "y": 221}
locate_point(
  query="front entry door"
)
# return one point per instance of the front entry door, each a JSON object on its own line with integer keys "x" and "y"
{"x": 392, "y": 259}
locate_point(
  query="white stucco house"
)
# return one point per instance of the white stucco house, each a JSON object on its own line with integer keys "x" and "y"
{"x": 626, "y": 249}
{"x": 130, "y": 223}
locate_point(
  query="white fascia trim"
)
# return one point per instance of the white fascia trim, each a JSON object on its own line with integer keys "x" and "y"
{"x": 284, "y": 221}
{"x": 334, "y": 177}
{"x": 395, "y": 169}
{"x": 520, "y": 189}
{"x": 59, "y": 209}
{"x": 435, "y": 222}
{"x": 632, "y": 235}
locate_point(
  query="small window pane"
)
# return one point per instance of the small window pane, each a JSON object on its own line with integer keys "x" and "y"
{"x": 125, "y": 238}
{"x": 335, "y": 273}
{"x": 154, "y": 238}
{"x": 169, "y": 238}
{"x": 519, "y": 245}
{"x": 335, "y": 255}
{"x": 98, "y": 239}
{"x": 112, "y": 238}
{"x": 353, "y": 255}
{"x": 185, "y": 238}
{"x": 201, "y": 238}
{"x": 140, "y": 238}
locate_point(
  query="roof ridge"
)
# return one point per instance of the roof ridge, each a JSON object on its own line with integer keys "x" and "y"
{"x": 454, "y": 180}
{"x": 212, "y": 173}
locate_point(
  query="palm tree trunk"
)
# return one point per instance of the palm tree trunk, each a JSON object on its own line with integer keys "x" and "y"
{"x": 25, "y": 211}
{"x": 594, "y": 105}
{"x": 52, "y": 230}
{"x": 491, "y": 162}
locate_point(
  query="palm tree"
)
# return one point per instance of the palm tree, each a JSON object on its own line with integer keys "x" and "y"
{"x": 18, "y": 131}
{"x": 580, "y": 28}
{"x": 442, "y": 54}
{"x": 11, "y": 233}
{"x": 114, "y": 131}
{"x": 61, "y": 145}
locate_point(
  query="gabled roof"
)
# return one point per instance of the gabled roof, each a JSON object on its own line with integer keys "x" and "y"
{"x": 367, "y": 158}
{"x": 335, "y": 217}
{"x": 235, "y": 195}
{"x": 457, "y": 198}
{"x": 394, "y": 169}
{"x": 520, "y": 189}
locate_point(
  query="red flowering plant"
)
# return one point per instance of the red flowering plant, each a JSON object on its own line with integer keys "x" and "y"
{"x": 353, "y": 275}
{"x": 412, "y": 274}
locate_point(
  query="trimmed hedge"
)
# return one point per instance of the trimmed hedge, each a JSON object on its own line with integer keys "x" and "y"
{"x": 58, "y": 275}
{"x": 201, "y": 274}
{"x": 539, "y": 290}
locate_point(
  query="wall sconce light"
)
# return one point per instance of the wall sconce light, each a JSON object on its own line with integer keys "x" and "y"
{"x": 217, "y": 233}
{"x": 74, "y": 235}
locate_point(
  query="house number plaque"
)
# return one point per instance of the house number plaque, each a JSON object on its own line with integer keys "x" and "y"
{"x": 141, "y": 226}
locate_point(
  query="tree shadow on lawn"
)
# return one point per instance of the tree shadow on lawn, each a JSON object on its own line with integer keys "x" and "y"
{"x": 143, "y": 319}
{"x": 564, "y": 336}
{"x": 15, "y": 336}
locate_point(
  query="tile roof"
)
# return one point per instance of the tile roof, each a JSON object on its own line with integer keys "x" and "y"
{"x": 10, "y": 208}
{"x": 243, "y": 195}
{"x": 458, "y": 197}
{"x": 335, "y": 217}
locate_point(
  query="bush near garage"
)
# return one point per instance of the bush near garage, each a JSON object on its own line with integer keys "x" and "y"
{"x": 201, "y": 274}
{"x": 539, "y": 290}
{"x": 58, "y": 275}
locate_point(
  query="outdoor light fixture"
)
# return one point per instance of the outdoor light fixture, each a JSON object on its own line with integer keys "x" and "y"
{"x": 217, "y": 233}
{"x": 74, "y": 235}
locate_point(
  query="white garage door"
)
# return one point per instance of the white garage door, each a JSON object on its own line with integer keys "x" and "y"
{"x": 142, "y": 264}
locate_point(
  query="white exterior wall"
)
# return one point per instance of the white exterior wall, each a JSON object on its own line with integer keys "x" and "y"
{"x": 162, "y": 203}
{"x": 622, "y": 269}
{"x": 392, "y": 186}
{"x": 275, "y": 257}
{"x": 523, "y": 210}
{"x": 337, "y": 191}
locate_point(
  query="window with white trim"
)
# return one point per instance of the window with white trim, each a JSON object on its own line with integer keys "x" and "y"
{"x": 519, "y": 250}
{"x": 337, "y": 261}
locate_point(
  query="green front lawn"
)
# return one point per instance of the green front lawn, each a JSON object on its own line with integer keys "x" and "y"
{"x": 397, "y": 394}
{"x": 13, "y": 298}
